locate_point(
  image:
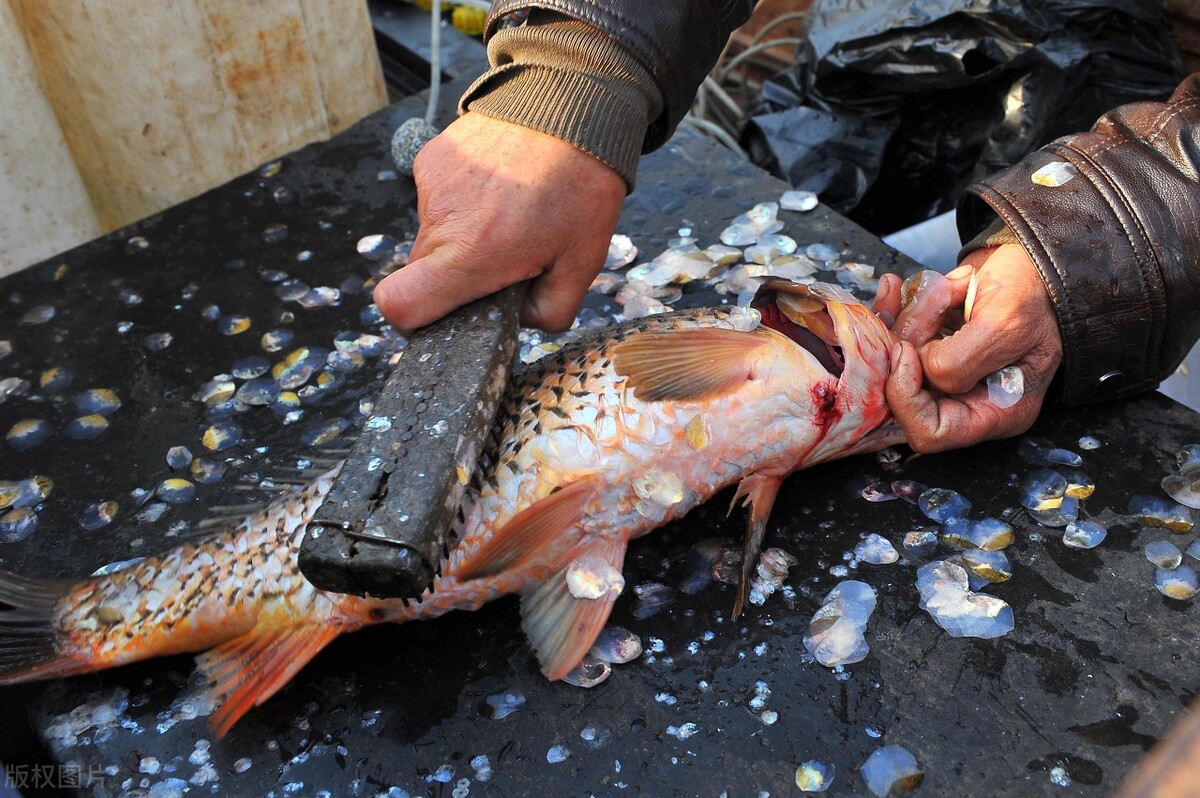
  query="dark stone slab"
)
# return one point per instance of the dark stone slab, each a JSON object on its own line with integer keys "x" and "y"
{"x": 1098, "y": 666}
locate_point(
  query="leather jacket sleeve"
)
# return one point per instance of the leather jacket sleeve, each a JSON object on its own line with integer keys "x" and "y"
{"x": 1111, "y": 219}
{"x": 613, "y": 77}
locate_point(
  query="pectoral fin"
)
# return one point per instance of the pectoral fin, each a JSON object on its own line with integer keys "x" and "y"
{"x": 530, "y": 533}
{"x": 247, "y": 670}
{"x": 561, "y": 618}
{"x": 759, "y": 491}
{"x": 686, "y": 364}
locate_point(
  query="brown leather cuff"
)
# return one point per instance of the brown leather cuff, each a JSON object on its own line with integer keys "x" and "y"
{"x": 1098, "y": 269}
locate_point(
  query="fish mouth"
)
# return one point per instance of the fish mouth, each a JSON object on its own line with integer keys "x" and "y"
{"x": 803, "y": 316}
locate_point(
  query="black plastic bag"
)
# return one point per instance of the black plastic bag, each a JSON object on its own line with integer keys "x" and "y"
{"x": 894, "y": 106}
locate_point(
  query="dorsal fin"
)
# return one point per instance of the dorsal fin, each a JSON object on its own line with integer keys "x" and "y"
{"x": 689, "y": 364}
{"x": 561, "y": 625}
{"x": 530, "y": 533}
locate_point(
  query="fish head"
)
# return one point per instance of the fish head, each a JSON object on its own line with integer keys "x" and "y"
{"x": 853, "y": 346}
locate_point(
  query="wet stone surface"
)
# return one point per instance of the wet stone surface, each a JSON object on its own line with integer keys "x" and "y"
{"x": 1098, "y": 665}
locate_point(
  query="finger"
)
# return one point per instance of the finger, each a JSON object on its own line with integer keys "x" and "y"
{"x": 956, "y": 364}
{"x": 925, "y": 298}
{"x": 555, "y": 296}
{"x": 934, "y": 423}
{"x": 887, "y": 298}
{"x": 429, "y": 287}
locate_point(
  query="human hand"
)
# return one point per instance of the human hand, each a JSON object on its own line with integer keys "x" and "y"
{"x": 499, "y": 203}
{"x": 935, "y": 390}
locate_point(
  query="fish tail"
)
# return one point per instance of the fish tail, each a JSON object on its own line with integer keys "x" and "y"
{"x": 29, "y": 637}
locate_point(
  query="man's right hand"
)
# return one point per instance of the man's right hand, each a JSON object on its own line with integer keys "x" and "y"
{"x": 499, "y": 203}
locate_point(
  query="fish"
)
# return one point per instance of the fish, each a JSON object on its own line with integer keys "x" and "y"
{"x": 612, "y": 436}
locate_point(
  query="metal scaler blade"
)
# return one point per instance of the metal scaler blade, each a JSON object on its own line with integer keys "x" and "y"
{"x": 383, "y": 528}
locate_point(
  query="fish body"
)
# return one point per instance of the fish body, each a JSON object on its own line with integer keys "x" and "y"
{"x": 599, "y": 443}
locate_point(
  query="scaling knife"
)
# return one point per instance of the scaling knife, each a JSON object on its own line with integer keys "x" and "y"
{"x": 382, "y": 530}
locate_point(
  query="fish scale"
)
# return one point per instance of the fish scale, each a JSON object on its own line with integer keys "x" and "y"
{"x": 605, "y": 440}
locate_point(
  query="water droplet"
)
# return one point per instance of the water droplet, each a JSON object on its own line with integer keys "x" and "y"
{"x": 558, "y": 753}
{"x": 136, "y": 244}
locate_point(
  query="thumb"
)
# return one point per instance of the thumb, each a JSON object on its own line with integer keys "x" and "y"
{"x": 435, "y": 284}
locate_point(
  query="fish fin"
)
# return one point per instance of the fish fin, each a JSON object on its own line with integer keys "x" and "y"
{"x": 562, "y": 628}
{"x": 28, "y": 636}
{"x": 250, "y": 668}
{"x": 686, "y": 364}
{"x": 759, "y": 491}
{"x": 529, "y": 533}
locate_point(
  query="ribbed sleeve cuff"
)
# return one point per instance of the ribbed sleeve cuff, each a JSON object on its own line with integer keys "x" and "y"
{"x": 566, "y": 79}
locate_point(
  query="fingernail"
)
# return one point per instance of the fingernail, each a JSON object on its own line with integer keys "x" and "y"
{"x": 962, "y": 271}
{"x": 885, "y": 288}
{"x": 897, "y": 351}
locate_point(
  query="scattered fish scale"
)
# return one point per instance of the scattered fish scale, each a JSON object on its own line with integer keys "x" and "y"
{"x": 891, "y": 771}
{"x": 836, "y": 634}
{"x": 947, "y": 597}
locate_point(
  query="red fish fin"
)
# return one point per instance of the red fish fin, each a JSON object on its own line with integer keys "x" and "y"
{"x": 759, "y": 491}
{"x": 686, "y": 364}
{"x": 527, "y": 536}
{"x": 250, "y": 668}
{"x": 29, "y": 637}
{"x": 562, "y": 628}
